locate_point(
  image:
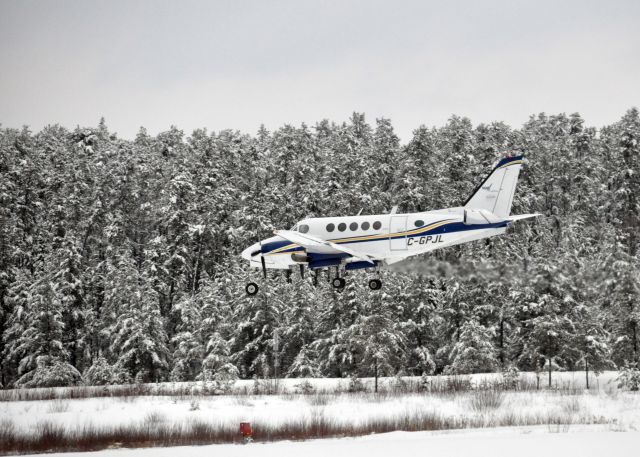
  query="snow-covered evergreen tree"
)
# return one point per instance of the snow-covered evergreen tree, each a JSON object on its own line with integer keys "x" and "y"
{"x": 43, "y": 359}
{"x": 377, "y": 337}
{"x": 139, "y": 339}
{"x": 473, "y": 352}
{"x": 104, "y": 240}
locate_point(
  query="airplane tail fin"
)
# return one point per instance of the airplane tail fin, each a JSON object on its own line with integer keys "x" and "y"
{"x": 495, "y": 193}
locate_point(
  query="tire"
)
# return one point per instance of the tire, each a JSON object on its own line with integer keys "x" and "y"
{"x": 251, "y": 288}
{"x": 338, "y": 283}
{"x": 375, "y": 284}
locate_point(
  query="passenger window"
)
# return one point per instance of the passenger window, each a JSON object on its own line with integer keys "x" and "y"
{"x": 353, "y": 226}
{"x": 419, "y": 223}
{"x": 342, "y": 226}
{"x": 377, "y": 225}
{"x": 365, "y": 226}
{"x": 304, "y": 228}
{"x": 330, "y": 227}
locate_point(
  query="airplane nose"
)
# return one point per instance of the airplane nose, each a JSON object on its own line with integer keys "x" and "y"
{"x": 252, "y": 250}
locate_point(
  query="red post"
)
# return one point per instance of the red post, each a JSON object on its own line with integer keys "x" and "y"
{"x": 246, "y": 432}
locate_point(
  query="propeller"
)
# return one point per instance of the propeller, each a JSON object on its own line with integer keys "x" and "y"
{"x": 264, "y": 266}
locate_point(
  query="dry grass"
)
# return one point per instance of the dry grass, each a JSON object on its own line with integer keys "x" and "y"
{"x": 319, "y": 399}
{"x": 389, "y": 387}
{"x": 58, "y": 406}
{"x": 154, "y": 418}
{"x": 486, "y": 400}
{"x": 571, "y": 405}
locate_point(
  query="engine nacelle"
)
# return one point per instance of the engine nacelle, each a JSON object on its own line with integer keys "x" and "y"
{"x": 300, "y": 258}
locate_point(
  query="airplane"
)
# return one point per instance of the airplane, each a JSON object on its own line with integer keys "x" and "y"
{"x": 377, "y": 241}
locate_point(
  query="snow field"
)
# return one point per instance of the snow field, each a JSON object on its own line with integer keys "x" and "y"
{"x": 459, "y": 410}
{"x": 178, "y": 420}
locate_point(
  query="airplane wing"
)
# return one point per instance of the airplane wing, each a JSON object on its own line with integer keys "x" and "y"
{"x": 522, "y": 216}
{"x": 309, "y": 241}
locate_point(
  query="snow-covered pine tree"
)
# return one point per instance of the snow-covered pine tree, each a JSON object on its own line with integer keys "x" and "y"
{"x": 217, "y": 367}
{"x": 252, "y": 341}
{"x": 100, "y": 373}
{"x": 43, "y": 359}
{"x": 377, "y": 337}
{"x": 473, "y": 352}
{"x": 298, "y": 328}
{"x": 139, "y": 339}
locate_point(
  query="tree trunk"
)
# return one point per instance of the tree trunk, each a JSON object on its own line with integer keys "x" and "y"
{"x": 376, "y": 377}
{"x": 549, "y": 360}
{"x": 586, "y": 371}
{"x": 635, "y": 340}
{"x": 502, "y": 343}
{"x": 195, "y": 285}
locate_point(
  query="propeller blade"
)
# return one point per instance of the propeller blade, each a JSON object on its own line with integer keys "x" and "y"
{"x": 264, "y": 267}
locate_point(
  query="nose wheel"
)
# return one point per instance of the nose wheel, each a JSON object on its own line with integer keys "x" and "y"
{"x": 251, "y": 288}
{"x": 375, "y": 284}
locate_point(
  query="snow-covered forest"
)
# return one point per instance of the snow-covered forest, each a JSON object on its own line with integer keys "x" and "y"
{"x": 119, "y": 260}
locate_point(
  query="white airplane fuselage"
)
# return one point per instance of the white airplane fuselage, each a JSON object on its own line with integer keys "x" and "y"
{"x": 375, "y": 241}
{"x": 399, "y": 236}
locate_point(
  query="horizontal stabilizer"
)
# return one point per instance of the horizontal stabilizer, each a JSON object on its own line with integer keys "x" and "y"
{"x": 522, "y": 216}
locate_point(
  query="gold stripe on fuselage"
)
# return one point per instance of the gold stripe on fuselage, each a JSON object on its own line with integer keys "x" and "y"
{"x": 381, "y": 236}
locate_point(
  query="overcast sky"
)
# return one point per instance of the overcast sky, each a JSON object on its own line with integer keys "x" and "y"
{"x": 237, "y": 64}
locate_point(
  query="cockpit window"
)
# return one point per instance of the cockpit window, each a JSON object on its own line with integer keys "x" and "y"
{"x": 304, "y": 228}
{"x": 419, "y": 223}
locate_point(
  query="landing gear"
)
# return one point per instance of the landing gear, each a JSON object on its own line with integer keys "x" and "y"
{"x": 338, "y": 283}
{"x": 251, "y": 288}
{"x": 375, "y": 284}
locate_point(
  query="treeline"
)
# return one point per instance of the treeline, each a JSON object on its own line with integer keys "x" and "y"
{"x": 119, "y": 260}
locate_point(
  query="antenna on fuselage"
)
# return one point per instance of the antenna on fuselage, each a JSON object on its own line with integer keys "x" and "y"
{"x": 394, "y": 210}
{"x": 360, "y": 212}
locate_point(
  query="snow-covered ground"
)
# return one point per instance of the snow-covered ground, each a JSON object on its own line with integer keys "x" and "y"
{"x": 571, "y": 409}
{"x": 521, "y": 442}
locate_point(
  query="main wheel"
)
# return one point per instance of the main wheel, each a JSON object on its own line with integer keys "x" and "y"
{"x": 252, "y": 288}
{"x": 375, "y": 284}
{"x": 338, "y": 283}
